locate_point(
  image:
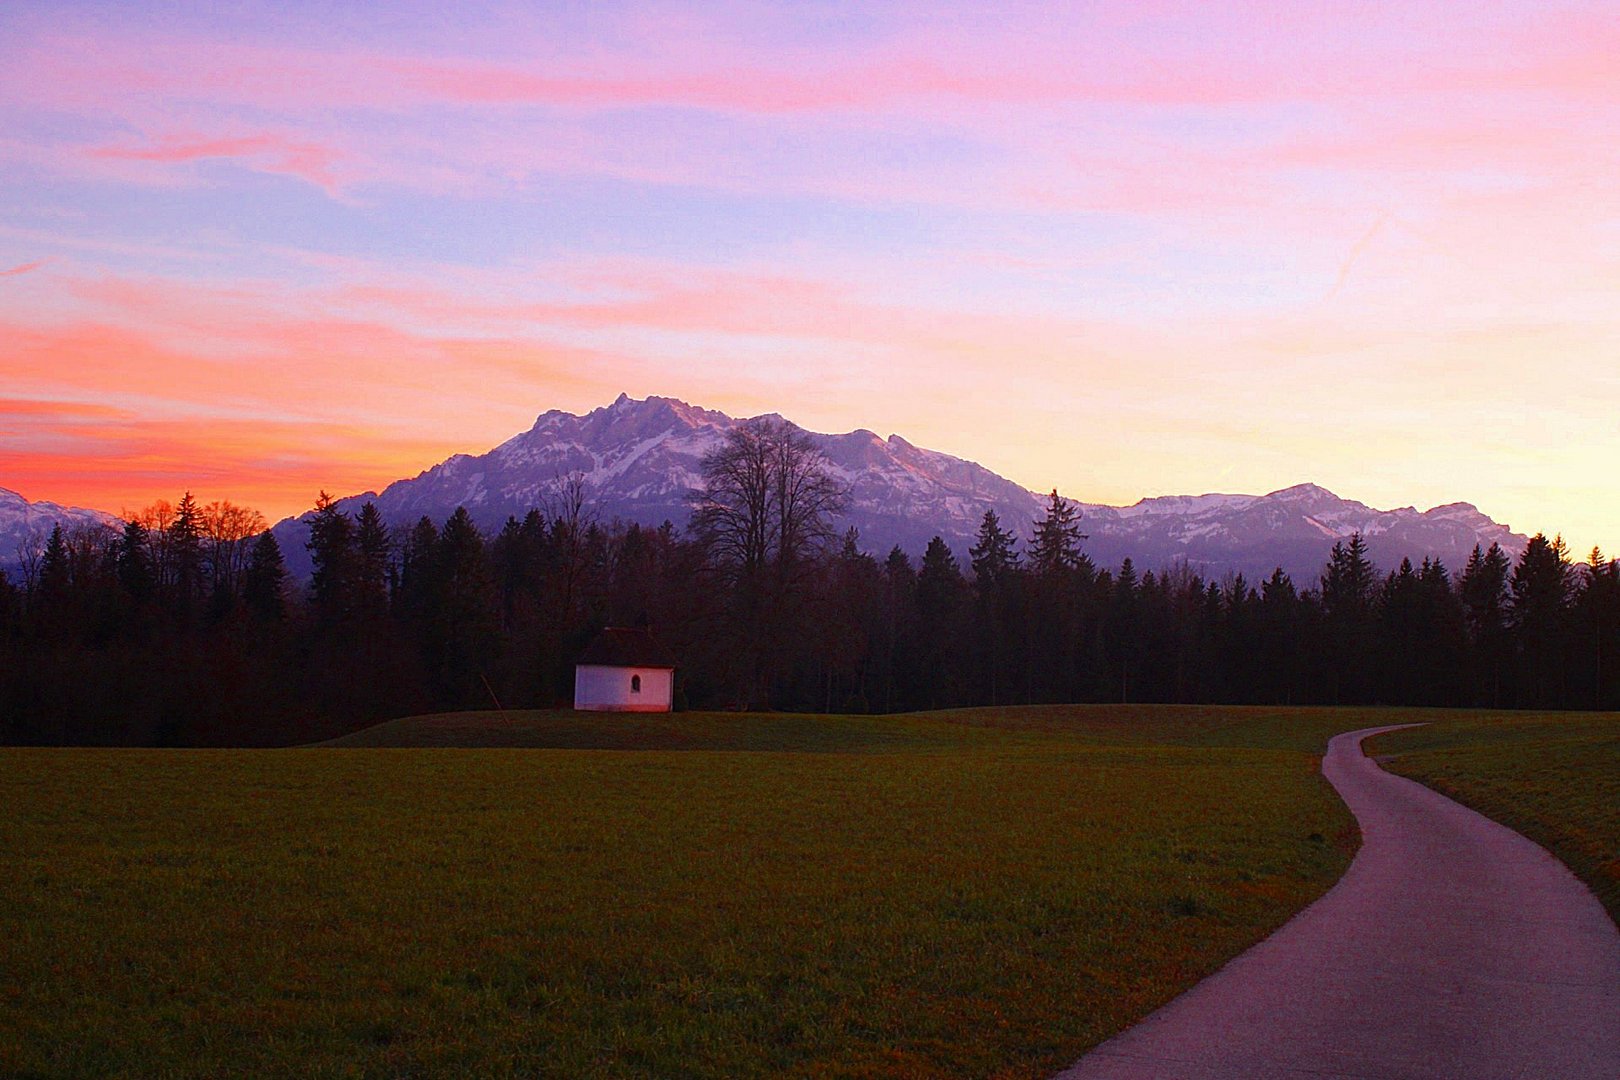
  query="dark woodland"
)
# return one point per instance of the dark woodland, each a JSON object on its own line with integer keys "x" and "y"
{"x": 184, "y": 629}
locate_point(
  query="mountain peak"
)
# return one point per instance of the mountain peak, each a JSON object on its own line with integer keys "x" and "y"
{"x": 640, "y": 458}
{"x": 1301, "y": 493}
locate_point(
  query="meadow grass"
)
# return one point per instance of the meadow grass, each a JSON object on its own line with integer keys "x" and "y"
{"x": 975, "y": 893}
{"x": 1555, "y": 777}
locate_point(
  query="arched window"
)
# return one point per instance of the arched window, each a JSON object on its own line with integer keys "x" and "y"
{"x": 635, "y": 684}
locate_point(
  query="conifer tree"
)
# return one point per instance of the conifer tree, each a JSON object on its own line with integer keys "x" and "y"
{"x": 1599, "y": 607}
{"x": 55, "y": 570}
{"x": 1348, "y": 586}
{"x": 264, "y": 580}
{"x": 997, "y": 624}
{"x": 185, "y": 550}
{"x": 940, "y": 595}
{"x": 1125, "y": 629}
{"x": 995, "y": 553}
{"x": 1055, "y": 547}
{"x": 1483, "y": 590}
{"x": 335, "y": 560}
{"x": 134, "y": 563}
{"x": 1540, "y": 593}
{"x": 372, "y": 551}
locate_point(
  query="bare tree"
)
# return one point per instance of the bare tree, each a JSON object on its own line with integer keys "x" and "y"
{"x": 30, "y": 552}
{"x": 157, "y": 520}
{"x": 768, "y": 499}
{"x": 569, "y": 511}
{"x": 764, "y": 516}
{"x": 226, "y": 529}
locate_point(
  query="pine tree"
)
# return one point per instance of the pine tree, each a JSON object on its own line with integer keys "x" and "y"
{"x": 1400, "y": 634}
{"x": 1540, "y": 593}
{"x": 135, "y": 563}
{"x": 1483, "y": 590}
{"x": 997, "y": 622}
{"x": 55, "y": 570}
{"x": 1348, "y": 586}
{"x": 372, "y": 552}
{"x": 995, "y": 554}
{"x": 335, "y": 560}
{"x": 1599, "y": 606}
{"x": 1125, "y": 636}
{"x": 1350, "y": 579}
{"x": 264, "y": 580}
{"x": 465, "y": 623}
{"x": 898, "y": 639}
{"x": 185, "y": 546}
{"x": 1280, "y": 648}
{"x": 1055, "y": 547}
{"x": 939, "y": 599}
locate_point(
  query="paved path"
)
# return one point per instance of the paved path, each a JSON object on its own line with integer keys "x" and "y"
{"x": 1452, "y": 948}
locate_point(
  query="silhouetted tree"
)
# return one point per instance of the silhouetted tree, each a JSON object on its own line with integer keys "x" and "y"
{"x": 185, "y": 556}
{"x": 998, "y": 624}
{"x": 1348, "y": 586}
{"x": 372, "y": 553}
{"x": 940, "y": 596}
{"x": 264, "y": 580}
{"x": 764, "y": 517}
{"x": 1598, "y": 609}
{"x": 1540, "y": 598}
{"x": 1483, "y": 590}
{"x": 335, "y": 560}
{"x": 1055, "y": 547}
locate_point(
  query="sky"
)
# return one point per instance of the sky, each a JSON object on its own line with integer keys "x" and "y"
{"x": 1120, "y": 249}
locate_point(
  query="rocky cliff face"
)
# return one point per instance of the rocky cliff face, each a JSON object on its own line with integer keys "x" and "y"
{"x": 638, "y": 460}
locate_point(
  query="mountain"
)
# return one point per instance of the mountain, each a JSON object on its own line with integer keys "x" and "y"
{"x": 638, "y": 460}
{"x": 1294, "y": 528}
{"x": 25, "y": 525}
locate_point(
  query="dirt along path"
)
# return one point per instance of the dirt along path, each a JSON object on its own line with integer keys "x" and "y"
{"x": 1452, "y": 948}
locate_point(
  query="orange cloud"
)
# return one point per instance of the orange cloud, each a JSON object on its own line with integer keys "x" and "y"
{"x": 24, "y": 268}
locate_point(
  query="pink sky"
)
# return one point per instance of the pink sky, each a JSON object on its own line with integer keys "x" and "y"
{"x": 1122, "y": 249}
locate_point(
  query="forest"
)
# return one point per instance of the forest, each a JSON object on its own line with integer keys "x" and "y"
{"x": 184, "y": 628}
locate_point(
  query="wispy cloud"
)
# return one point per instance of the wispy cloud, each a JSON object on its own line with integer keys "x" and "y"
{"x": 307, "y": 160}
{"x": 24, "y": 268}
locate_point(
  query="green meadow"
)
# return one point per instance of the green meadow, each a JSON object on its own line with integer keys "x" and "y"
{"x": 974, "y": 893}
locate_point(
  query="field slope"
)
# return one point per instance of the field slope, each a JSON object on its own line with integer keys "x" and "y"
{"x": 978, "y": 893}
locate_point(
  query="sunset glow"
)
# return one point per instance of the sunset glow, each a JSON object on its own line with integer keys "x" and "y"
{"x": 1120, "y": 249}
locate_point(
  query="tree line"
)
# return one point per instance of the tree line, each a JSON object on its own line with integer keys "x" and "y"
{"x": 183, "y": 627}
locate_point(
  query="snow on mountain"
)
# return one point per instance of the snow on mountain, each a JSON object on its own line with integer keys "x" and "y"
{"x": 25, "y": 525}
{"x": 639, "y": 459}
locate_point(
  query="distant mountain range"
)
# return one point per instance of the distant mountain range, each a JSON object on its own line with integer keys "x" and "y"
{"x": 25, "y": 524}
{"x": 638, "y": 460}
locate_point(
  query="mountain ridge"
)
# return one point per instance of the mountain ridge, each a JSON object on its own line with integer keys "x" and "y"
{"x": 640, "y": 458}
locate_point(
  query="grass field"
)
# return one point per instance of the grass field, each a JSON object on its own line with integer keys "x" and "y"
{"x": 972, "y": 893}
{"x": 1553, "y": 776}
{"x": 982, "y": 893}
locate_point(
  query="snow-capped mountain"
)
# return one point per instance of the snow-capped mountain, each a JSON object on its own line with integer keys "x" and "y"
{"x": 25, "y": 525}
{"x": 1294, "y": 528}
{"x": 639, "y": 459}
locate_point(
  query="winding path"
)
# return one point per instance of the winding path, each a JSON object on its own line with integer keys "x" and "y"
{"x": 1452, "y": 948}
